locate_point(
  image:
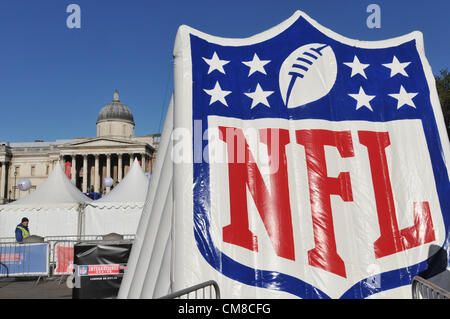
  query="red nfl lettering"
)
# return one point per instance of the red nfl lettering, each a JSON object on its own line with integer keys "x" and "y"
{"x": 325, "y": 255}
{"x": 392, "y": 240}
{"x": 273, "y": 207}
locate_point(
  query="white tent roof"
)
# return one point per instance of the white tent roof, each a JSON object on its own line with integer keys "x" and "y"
{"x": 56, "y": 191}
{"x": 130, "y": 192}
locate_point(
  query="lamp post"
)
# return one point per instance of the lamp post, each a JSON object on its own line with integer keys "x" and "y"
{"x": 15, "y": 175}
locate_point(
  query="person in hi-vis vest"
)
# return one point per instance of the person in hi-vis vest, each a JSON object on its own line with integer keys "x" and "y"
{"x": 22, "y": 231}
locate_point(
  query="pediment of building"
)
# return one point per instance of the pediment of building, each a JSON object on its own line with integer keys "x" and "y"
{"x": 102, "y": 142}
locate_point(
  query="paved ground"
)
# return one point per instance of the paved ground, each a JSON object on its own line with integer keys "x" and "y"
{"x": 30, "y": 288}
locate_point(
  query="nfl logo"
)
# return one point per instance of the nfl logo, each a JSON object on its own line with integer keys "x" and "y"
{"x": 83, "y": 270}
{"x": 319, "y": 163}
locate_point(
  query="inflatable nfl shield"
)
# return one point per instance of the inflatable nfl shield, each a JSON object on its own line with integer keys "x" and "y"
{"x": 306, "y": 164}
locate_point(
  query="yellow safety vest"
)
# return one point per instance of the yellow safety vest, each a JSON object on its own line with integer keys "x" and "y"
{"x": 25, "y": 233}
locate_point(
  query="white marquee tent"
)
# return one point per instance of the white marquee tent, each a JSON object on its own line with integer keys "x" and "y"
{"x": 154, "y": 231}
{"x": 53, "y": 208}
{"x": 120, "y": 210}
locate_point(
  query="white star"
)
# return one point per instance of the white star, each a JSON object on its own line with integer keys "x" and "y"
{"x": 259, "y": 96}
{"x": 357, "y": 67}
{"x": 397, "y": 67}
{"x": 404, "y": 97}
{"x": 363, "y": 99}
{"x": 215, "y": 63}
{"x": 217, "y": 94}
{"x": 256, "y": 65}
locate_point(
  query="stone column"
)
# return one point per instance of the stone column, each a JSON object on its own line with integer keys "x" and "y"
{"x": 108, "y": 169}
{"x": 62, "y": 162}
{"x": 73, "y": 171}
{"x": 143, "y": 162}
{"x": 3, "y": 183}
{"x": 130, "y": 163}
{"x": 152, "y": 161}
{"x": 119, "y": 167}
{"x": 85, "y": 173}
{"x": 131, "y": 159}
{"x": 96, "y": 174}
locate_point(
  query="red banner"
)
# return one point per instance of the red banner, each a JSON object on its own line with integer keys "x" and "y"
{"x": 67, "y": 169}
{"x": 64, "y": 260}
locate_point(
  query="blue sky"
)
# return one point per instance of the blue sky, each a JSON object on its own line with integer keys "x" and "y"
{"x": 54, "y": 80}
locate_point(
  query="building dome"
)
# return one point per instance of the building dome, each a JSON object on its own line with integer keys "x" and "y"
{"x": 115, "y": 119}
{"x": 115, "y": 111}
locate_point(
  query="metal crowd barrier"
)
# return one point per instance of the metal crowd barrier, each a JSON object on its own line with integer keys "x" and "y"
{"x": 424, "y": 289}
{"x": 61, "y": 251}
{"x": 200, "y": 291}
{"x": 24, "y": 260}
{"x": 57, "y": 257}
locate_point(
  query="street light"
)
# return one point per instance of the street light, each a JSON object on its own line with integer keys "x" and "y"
{"x": 15, "y": 175}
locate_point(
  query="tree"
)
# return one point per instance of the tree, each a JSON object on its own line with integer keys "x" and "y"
{"x": 443, "y": 88}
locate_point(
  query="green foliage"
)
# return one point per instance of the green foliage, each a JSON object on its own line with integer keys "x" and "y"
{"x": 443, "y": 88}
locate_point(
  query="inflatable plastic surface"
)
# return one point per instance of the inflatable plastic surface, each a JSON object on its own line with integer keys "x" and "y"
{"x": 306, "y": 164}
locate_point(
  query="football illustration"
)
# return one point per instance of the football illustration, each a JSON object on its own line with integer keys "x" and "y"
{"x": 307, "y": 74}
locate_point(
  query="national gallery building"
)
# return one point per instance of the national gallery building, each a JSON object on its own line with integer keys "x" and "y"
{"x": 86, "y": 161}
